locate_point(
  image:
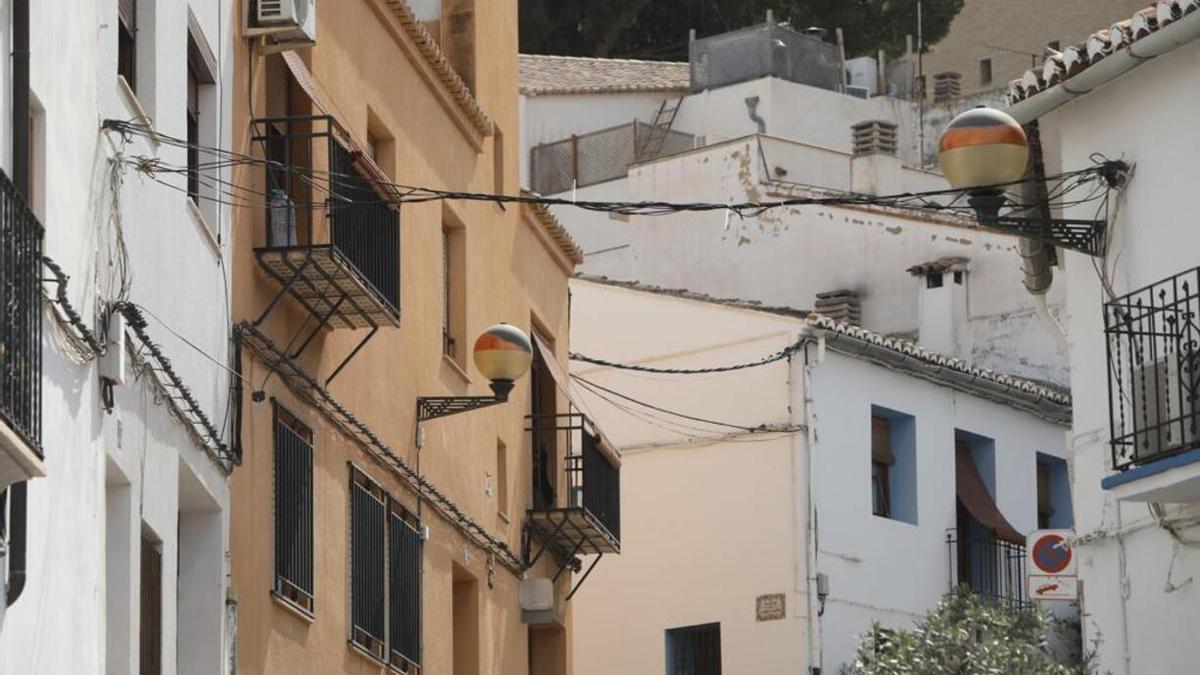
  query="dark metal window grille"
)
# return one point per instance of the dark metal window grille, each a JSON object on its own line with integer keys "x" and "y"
{"x": 364, "y": 226}
{"x": 20, "y": 316}
{"x": 368, "y": 504}
{"x": 448, "y": 342}
{"x": 695, "y": 650}
{"x": 150, "y": 630}
{"x": 293, "y": 510}
{"x": 987, "y": 566}
{"x": 1153, "y": 340}
{"x": 404, "y": 593}
{"x": 881, "y": 500}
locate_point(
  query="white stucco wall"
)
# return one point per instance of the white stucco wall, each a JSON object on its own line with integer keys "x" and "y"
{"x": 712, "y": 523}
{"x": 787, "y": 256}
{"x": 1137, "y": 601}
{"x": 888, "y": 570}
{"x": 112, "y": 476}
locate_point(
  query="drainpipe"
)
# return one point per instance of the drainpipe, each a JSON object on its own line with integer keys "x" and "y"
{"x": 17, "y": 495}
{"x": 1035, "y": 254}
{"x": 752, "y": 110}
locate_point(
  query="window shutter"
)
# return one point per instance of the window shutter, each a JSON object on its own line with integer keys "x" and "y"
{"x": 150, "y": 644}
{"x": 127, "y": 12}
{"x": 881, "y": 441}
{"x": 1043, "y": 490}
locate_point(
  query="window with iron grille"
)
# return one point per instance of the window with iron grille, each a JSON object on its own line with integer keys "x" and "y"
{"x": 368, "y": 506}
{"x": 293, "y": 510}
{"x": 385, "y": 575}
{"x": 404, "y": 591}
{"x": 694, "y": 650}
{"x": 150, "y": 629}
{"x": 201, "y": 112}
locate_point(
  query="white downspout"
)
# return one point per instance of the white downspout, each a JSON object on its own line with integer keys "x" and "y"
{"x": 1050, "y": 323}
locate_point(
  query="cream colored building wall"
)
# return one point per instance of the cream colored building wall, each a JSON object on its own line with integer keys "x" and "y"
{"x": 366, "y": 69}
{"x": 709, "y": 522}
{"x": 997, "y": 28}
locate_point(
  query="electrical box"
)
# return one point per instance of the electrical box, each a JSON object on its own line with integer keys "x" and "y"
{"x": 113, "y": 364}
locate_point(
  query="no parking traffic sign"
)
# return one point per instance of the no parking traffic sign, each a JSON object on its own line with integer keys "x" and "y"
{"x": 1052, "y": 564}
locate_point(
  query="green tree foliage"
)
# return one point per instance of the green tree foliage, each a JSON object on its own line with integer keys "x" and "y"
{"x": 964, "y": 636}
{"x": 658, "y": 29}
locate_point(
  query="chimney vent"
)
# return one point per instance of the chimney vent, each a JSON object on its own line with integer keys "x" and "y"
{"x": 947, "y": 86}
{"x": 874, "y": 137}
{"x": 842, "y": 305}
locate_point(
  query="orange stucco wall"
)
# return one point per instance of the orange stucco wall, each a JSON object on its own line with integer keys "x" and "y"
{"x": 513, "y": 273}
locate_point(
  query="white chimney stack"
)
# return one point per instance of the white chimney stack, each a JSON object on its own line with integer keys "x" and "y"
{"x": 942, "y": 306}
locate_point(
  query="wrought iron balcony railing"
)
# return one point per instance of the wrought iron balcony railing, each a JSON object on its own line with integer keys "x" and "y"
{"x": 987, "y": 566}
{"x": 1154, "y": 370}
{"x": 333, "y": 234}
{"x": 20, "y": 316}
{"x": 587, "y": 518}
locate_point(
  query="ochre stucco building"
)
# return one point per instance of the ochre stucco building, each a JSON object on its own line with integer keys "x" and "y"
{"x": 338, "y": 565}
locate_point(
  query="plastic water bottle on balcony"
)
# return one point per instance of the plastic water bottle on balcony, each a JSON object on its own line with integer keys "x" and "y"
{"x": 283, "y": 219}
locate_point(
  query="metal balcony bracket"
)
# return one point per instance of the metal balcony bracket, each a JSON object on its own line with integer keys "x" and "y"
{"x": 351, "y": 355}
{"x": 283, "y": 291}
{"x": 432, "y": 407}
{"x": 1084, "y": 236}
{"x": 584, "y": 577}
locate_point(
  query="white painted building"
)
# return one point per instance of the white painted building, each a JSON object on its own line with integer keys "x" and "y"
{"x": 757, "y": 140}
{"x": 799, "y": 500}
{"x": 126, "y": 533}
{"x": 1135, "y": 476}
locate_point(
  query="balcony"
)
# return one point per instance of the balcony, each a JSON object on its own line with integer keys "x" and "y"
{"x": 1153, "y": 342}
{"x": 333, "y": 236}
{"x": 989, "y": 567}
{"x": 586, "y": 518}
{"x": 20, "y": 338}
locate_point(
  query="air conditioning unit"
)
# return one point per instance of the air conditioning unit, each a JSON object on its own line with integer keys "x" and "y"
{"x": 284, "y": 24}
{"x": 858, "y": 92}
{"x": 1162, "y": 408}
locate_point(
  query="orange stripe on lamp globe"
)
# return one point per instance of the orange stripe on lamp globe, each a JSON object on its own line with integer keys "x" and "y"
{"x": 491, "y": 341}
{"x": 968, "y": 136}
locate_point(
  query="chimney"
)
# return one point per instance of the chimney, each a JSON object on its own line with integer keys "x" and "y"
{"x": 874, "y": 165}
{"x": 942, "y": 306}
{"x": 842, "y": 305}
{"x": 947, "y": 86}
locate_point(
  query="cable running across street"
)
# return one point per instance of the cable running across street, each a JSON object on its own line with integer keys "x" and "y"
{"x": 770, "y": 358}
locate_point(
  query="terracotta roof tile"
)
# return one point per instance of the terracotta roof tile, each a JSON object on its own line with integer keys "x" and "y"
{"x": 542, "y": 75}
{"x": 1099, "y": 45}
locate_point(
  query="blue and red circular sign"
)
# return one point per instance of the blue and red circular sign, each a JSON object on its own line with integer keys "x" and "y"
{"x": 1051, "y": 554}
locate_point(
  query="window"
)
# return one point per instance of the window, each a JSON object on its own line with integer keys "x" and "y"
{"x": 893, "y": 465}
{"x": 404, "y": 589}
{"x": 453, "y": 287}
{"x": 201, "y": 112}
{"x": 694, "y": 650}
{"x": 543, "y": 402}
{"x": 150, "y": 628}
{"x": 127, "y": 42}
{"x": 381, "y": 144}
{"x": 985, "y": 71}
{"x": 1055, "y": 45}
{"x": 497, "y": 161}
{"x": 501, "y": 478}
{"x": 385, "y": 575}
{"x": 934, "y": 280}
{"x": 368, "y": 505}
{"x": 293, "y": 510}
{"x": 881, "y": 465}
{"x": 1053, "y": 493}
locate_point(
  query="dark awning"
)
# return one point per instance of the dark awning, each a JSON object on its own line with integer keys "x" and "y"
{"x": 974, "y": 495}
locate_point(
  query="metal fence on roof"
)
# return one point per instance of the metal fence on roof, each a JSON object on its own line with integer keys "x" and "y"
{"x": 600, "y": 156}
{"x": 770, "y": 50}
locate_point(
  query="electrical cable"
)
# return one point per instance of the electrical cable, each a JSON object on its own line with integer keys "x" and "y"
{"x": 625, "y": 397}
{"x": 768, "y": 359}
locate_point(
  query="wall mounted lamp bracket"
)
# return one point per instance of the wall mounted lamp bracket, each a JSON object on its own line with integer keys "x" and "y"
{"x": 433, "y": 407}
{"x": 1082, "y": 235}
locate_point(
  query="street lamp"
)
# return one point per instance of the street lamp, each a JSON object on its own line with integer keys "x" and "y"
{"x": 502, "y": 353}
{"x": 982, "y": 151}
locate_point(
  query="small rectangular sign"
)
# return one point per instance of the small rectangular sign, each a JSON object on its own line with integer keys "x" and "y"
{"x": 1046, "y": 587}
{"x": 771, "y": 607}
